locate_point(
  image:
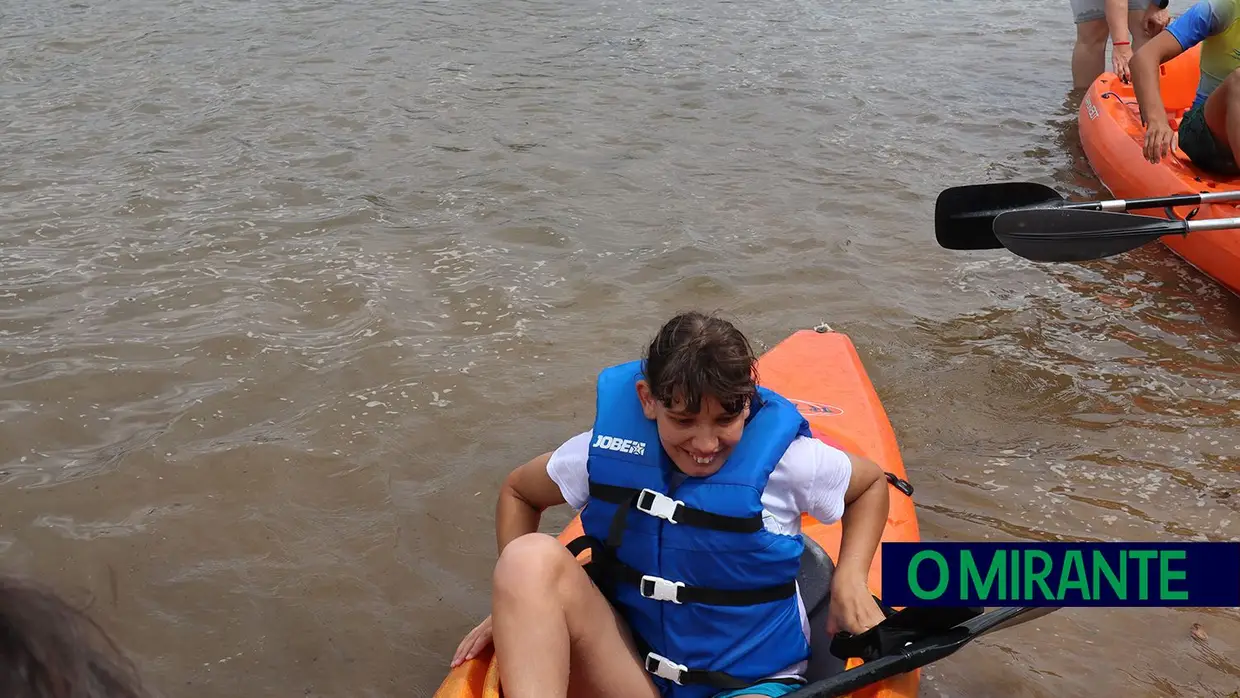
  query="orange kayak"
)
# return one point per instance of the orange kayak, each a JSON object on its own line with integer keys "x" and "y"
{"x": 821, "y": 372}
{"x": 1113, "y": 138}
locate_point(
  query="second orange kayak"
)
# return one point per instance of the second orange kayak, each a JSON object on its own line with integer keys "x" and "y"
{"x": 1113, "y": 138}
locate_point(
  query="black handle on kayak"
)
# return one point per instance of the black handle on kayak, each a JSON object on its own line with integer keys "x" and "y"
{"x": 900, "y": 628}
{"x": 919, "y": 653}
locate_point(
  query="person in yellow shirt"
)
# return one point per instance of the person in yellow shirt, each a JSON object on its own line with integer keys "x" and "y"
{"x": 1209, "y": 133}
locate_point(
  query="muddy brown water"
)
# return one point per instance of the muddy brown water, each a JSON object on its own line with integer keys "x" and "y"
{"x": 288, "y": 286}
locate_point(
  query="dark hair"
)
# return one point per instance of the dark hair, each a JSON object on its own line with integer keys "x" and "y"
{"x": 49, "y": 649}
{"x": 695, "y": 355}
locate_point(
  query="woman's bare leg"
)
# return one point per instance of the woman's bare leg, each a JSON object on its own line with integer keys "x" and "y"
{"x": 555, "y": 633}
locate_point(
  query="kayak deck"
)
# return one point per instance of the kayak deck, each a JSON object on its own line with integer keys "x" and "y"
{"x": 822, "y": 373}
{"x": 1113, "y": 139}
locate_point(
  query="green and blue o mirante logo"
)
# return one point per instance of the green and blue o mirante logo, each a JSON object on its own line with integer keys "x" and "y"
{"x": 1061, "y": 574}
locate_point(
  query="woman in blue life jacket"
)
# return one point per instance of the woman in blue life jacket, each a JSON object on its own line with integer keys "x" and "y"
{"x": 695, "y": 479}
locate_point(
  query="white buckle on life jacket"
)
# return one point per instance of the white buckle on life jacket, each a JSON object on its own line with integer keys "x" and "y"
{"x": 660, "y": 589}
{"x": 665, "y": 668}
{"x": 659, "y": 505}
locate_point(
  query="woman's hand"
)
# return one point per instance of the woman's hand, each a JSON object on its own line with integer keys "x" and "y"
{"x": 866, "y": 505}
{"x": 853, "y": 608}
{"x": 1120, "y": 56}
{"x": 1159, "y": 140}
{"x": 1155, "y": 20}
{"x": 477, "y": 640}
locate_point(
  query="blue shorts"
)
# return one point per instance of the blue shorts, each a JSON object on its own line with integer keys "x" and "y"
{"x": 766, "y": 688}
{"x": 1201, "y": 146}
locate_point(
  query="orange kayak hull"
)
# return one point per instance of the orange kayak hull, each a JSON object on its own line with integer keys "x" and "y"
{"x": 823, "y": 374}
{"x": 1113, "y": 139}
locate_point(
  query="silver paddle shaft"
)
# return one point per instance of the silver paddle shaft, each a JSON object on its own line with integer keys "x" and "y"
{"x": 1212, "y": 224}
{"x": 1115, "y": 205}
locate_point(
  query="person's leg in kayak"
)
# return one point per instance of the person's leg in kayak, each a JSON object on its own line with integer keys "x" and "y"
{"x": 553, "y": 628}
{"x": 1218, "y": 146}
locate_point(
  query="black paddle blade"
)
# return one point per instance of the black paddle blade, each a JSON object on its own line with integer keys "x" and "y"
{"x": 1068, "y": 235}
{"x": 919, "y": 653}
{"x": 964, "y": 216}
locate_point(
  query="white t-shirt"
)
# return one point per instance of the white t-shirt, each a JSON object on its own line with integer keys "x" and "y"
{"x": 811, "y": 477}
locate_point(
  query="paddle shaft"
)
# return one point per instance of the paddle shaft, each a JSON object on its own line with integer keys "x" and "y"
{"x": 920, "y": 653}
{"x": 1115, "y": 205}
{"x": 1151, "y": 226}
{"x": 1073, "y": 235}
{"x": 1211, "y": 224}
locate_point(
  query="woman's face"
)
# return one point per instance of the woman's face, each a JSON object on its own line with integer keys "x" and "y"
{"x": 698, "y": 443}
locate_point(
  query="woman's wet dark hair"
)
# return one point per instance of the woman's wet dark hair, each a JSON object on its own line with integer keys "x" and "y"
{"x": 49, "y": 649}
{"x": 695, "y": 355}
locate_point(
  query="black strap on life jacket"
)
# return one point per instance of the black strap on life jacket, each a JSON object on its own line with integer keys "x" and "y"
{"x": 678, "y": 673}
{"x": 660, "y": 505}
{"x": 661, "y": 666}
{"x": 604, "y": 563}
{"x": 606, "y": 569}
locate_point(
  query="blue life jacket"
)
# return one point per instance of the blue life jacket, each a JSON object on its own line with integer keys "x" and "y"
{"x": 708, "y": 592}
